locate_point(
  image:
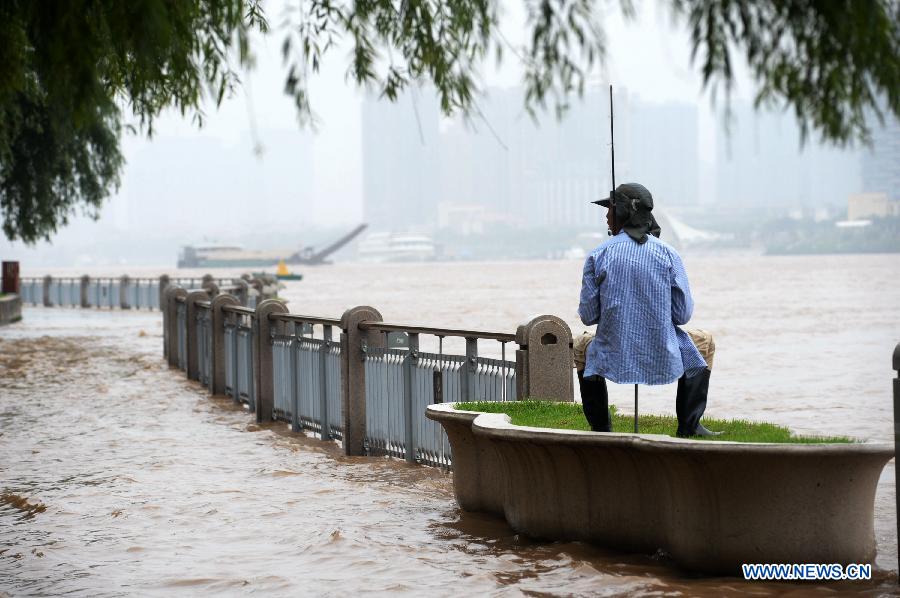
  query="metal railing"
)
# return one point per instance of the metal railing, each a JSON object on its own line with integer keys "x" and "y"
{"x": 401, "y": 383}
{"x": 203, "y": 326}
{"x": 197, "y": 283}
{"x": 31, "y": 290}
{"x": 142, "y": 293}
{"x": 181, "y": 344}
{"x": 104, "y": 292}
{"x": 362, "y": 381}
{"x": 65, "y": 292}
{"x": 115, "y": 292}
{"x": 306, "y": 373}
{"x": 240, "y": 380}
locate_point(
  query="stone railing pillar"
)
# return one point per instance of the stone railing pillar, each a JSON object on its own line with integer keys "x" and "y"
{"x": 244, "y": 294}
{"x": 265, "y": 383}
{"x": 544, "y": 360}
{"x": 218, "y": 317}
{"x": 11, "y": 278}
{"x": 254, "y": 293}
{"x": 164, "y": 309}
{"x": 211, "y": 288}
{"x": 163, "y": 285}
{"x": 85, "y": 285}
{"x": 48, "y": 280}
{"x": 171, "y": 322}
{"x": 354, "y": 343}
{"x": 124, "y": 282}
{"x": 193, "y": 355}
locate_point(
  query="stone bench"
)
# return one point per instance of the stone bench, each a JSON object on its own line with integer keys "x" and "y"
{"x": 710, "y": 505}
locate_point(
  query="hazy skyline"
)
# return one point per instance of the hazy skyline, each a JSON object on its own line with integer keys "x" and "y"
{"x": 210, "y": 184}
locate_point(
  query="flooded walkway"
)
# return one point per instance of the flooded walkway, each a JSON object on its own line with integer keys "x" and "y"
{"x": 119, "y": 477}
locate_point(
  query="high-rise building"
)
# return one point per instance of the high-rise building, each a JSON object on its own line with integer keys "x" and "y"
{"x": 880, "y": 163}
{"x": 662, "y": 151}
{"x": 530, "y": 173}
{"x": 400, "y": 161}
{"x": 760, "y": 163}
{"x": 186, "y": 176}
{"x": 504, "y": 167}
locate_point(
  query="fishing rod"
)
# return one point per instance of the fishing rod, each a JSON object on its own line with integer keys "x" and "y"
{"x": 612, "y": 207}
{"x": 612, "y": 147}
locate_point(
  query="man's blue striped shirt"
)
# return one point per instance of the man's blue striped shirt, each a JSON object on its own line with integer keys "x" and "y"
{"x": 638, "y": 295}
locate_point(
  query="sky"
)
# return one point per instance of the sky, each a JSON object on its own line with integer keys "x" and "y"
{"x": 188, "y": 179}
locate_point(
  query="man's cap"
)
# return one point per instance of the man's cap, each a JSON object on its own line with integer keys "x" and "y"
{"x": 638, "y": 195}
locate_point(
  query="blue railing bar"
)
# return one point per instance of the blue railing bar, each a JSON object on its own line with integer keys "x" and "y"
{"x": 304, "y": 319}
{"x": 473, "y": 334}
{"x": 239, "y": 309}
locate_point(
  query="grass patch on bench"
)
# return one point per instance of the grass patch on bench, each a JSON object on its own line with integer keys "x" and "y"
{"x": 569, "y": 416}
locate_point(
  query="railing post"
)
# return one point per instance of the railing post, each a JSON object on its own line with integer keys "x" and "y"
{"x": 124, "y": 283}
{"x": 353, "y": 375}
{"x": 265, "y": 382}
{"x": 83, "y": 295}
{"x": 164, "y": 308}
{"x": 235, "y": 390}
{"x": 112, "y": 301}
{"x": 412, "y": 357}
{"x": 217, "y": 323}
{"x": 323, "y": 377}
{"x": 470, "y": 371}
{"x": 163, "y": 285}
{"x": 244, "y": 293}
{"x": 48, "y": 280}
{"x": 295, "y": 393}
{"x": 896, "y": 367}
{"x": 171, "y": 307}
{"x": 11, "y": 283}
{"x": 255, "y": 291}
{"x": 544, "y": 359}
{"x": 193, "y": 352}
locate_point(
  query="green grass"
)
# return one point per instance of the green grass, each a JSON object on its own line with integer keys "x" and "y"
{"x": 569, "y": 416}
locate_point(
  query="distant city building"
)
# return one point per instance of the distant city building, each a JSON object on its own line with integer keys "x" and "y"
{"x": 880, "y": 163}
{"x": 400, "y": 161}
{"x": 521, "y": 173}
{"x": 662, "y": 151}
{"x": 760, "y": 164}
{"x": 187, "y": 176}
{"x": 547, "y": 173}
{"x": 872, "y": 205}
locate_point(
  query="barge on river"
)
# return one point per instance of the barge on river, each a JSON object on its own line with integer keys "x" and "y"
{"x": 222, "y": 256}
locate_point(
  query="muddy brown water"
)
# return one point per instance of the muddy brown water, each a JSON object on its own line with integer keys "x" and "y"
{"x": 117, "y": 476}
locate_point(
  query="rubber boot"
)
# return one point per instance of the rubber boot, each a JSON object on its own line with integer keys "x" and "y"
{"x": 690, "y": 403}
{"x": 595, "y": 402}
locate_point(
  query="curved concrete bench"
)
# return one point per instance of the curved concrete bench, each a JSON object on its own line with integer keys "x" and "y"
{"x": 710, "y": 505}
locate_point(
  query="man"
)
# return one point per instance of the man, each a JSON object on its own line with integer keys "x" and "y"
{"x": 636, "y": 290}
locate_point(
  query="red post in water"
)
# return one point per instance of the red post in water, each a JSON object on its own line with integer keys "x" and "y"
{"x": 10, "y": 277}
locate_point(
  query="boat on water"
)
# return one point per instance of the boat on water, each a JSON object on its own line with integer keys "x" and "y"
{"x": 396, "y": 247}
{"x": 232, "y": 256}
{"x": 282, "y": 273}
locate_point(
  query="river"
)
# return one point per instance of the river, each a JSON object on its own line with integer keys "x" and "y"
{"x": 117, "y": 476}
